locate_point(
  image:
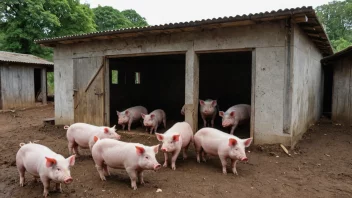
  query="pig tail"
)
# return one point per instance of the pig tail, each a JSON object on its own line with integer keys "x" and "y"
{"x": 22, "y": 143}
{"x": 66, "y": 127}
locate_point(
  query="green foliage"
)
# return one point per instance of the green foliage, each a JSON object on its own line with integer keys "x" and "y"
{"x": 136, "y": 19}
{"x": 108, "y": 18}
{"x": 50, "y": 79}
{"x": 337, "y": 19}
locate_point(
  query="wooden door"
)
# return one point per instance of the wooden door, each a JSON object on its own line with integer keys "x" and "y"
{"x": 89, "y": 102}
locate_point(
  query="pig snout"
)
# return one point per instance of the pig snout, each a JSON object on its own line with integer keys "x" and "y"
{"x": 245, "y": 159}
{"x": 163, "y": 149}
{"x": 118, "y": 137}
{"x": 157, "y": 167}
{"x": 68, "y": 180}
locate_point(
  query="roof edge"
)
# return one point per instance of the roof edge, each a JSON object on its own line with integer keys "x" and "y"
{"x": 337, "y": 55}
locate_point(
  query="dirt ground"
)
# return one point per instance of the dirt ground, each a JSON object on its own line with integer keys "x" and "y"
{"x": 320, "y": 166}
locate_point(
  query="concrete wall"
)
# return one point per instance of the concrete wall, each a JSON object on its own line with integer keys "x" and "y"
{"x": 307, "y": 84}
{"x": 268, "y": 40}
{"x": 17, "y": 86}
{"x": 342, "y": 91}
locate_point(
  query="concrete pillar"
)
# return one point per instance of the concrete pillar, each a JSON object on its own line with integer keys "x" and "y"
{"x": 192, "y": 89}
{"x": 43, "y": 86}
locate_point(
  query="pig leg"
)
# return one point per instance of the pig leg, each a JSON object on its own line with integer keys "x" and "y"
{"x": 129, "y": 124}
{"x": 233, "y": 165}
{"x": 133, "y": 177}
{"x": 106, "y": 170}
{"x": 21, "y": 171}
{"x": 75, "y": 148}
{"x": 212, "y": 120}
{"x": 233, "y": 128}
{"x": 46, "y": 184}
{"x": 140, "y": 177}
{"x": 164, "y": 121}
{"x": 58, "y": 187}
{"x": 101, "y": 172}
{"x": 166, "y": 158}
{"x": 198, "y": 150}
{"x": 204, "y": 156}
{"x": 185, "y": 151}
{"x": 70, "y": 147}
{"x": 204, "y": 120}
{"x": 174, "y": 158}
{"x": 123, "y": 127}
{"x": 151, "y": 130}
{"x": 223, "y": 163}
{"x": 156, "y": 128}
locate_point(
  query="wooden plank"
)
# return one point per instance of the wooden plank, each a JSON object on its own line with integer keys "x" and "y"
{"x": 93, "y": 77}
{"x": 43, "y": 86}
{"x": 342, "y": 85}
{"x": 300, "y": 18}
{"x": 252, "y": 121}
{"x": 107, "y": 92}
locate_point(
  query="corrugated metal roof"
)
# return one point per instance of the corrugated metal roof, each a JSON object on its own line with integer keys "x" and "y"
{"x": 345, "y": 52}
{"x": 22, "y": 58}
{"x": 313, "y": 27}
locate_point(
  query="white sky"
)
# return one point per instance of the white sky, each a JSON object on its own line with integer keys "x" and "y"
{"x": 170, "y": 11}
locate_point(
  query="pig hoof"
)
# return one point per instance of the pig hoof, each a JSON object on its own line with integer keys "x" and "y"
{"x": 165, "y": 165}
{"x": 21, "y": 184}
{"x": 174, "y": 168}
{"x": 103, "y": 178}
{"x": 134, "y": 188}
{"x": 45, "y": 194}
{"x": 224, "y": 172}
{"x": 142, "y": 182}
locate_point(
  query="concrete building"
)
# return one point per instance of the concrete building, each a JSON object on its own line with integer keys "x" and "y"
{"x": 22, "y": 80}
{"x": 269, "y": 60}
{"x": 338, "y": 69}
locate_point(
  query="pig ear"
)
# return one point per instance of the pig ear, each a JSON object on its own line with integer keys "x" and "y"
{"x": 139, "y": 150}
{"x": 143, "y": 115}
{"x": 176, "y": 138}
{"x": 214, "y": 103}
{"x": 232, "y": 142}
{"x": 156, "y": 148}
{"x": 247, "y": 142}
{"x": 126, "y": 112}
{"x": 201, "y": 102}
{"x": 221, "y": 113}
{"x": 50, "y": 162}
{"x": 118, "y": 113}
{"x": 96, "y": 138}
{"x": 72, "y": 159}
{"x": 232, "y": 114}
{"x": 159, "y": 136}
{"x": 106, "y": 130}
{"x": 152, "y": 116}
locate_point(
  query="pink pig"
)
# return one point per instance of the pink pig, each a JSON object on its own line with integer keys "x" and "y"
{"x": 43, "y": 163}
{"x": 153, "y": 119}
{"x": 214, "y": 142}
{"x": 133, "y": 157}
{"x": 208, "y": 110}
{"x": 130, "y": 116}
{"x": 235, "y": 115}
{"x": 81, "y": 134}
{"x": 178, "y": 137}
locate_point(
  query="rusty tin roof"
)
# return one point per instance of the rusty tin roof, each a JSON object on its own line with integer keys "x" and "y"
{"x": 22, "y": 58}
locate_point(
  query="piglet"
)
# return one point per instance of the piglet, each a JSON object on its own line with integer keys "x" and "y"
{"x": 177, "y": 138}
{"x": 214, "y": 142}
{"x": 82, "y": 134}
{"x": 208, "y": 110}
{"x": 130, "y": 116}
{"x": 153, "y": 119}
{"x": 133, "y": 157}
{"x": 43, "y": 163}
{"x": 235, "y": 115}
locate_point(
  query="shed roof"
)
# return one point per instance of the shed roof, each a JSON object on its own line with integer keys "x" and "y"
{"x": 342, "y": 53}
{"x": 305, "y": 17}
{"x": 23, "y": 58}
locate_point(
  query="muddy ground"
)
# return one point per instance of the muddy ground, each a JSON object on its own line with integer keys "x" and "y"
{"x": 320, "y": 166}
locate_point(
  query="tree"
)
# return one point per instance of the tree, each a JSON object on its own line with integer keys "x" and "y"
{"x": 23, "y": 21}
{"x": 337, "y": 19}
{"x": 136, "y": 19}
{"x": 108, "y": 18}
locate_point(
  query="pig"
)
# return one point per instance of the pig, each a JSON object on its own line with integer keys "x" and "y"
{"x": 153, "y": 119}
{"x": 183, "y": 110}
{"x": 41, "y": 162}
{"x": 211, "y": 141}
{"x": 235, "y": 115}
{"x": 133, "y": 157}
{"x": 82, "y": 134}
{"x": 177, "y": 138}
{"x": 208, "y": 110}
{"x": 130, "y": 116}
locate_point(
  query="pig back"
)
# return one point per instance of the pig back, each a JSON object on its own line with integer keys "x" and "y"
{"x": 243, "y": 111}
{"x": 136, "y": 112}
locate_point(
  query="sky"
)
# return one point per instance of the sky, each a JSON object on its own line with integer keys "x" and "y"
{"x": 171, "y": 11}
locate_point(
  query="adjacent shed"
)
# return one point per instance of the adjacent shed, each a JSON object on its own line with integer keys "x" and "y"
{"x": 338, "y": 68}
{"x": 23, "y": 80}
{"x": 268, "y": 60}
